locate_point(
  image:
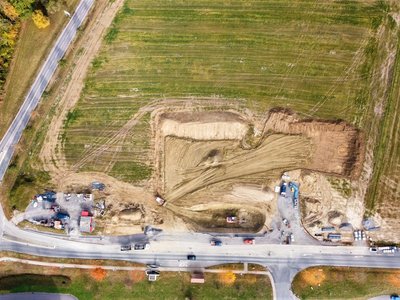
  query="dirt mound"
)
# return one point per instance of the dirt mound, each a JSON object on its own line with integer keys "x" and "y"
{"x": 338, "y": 146}
{"x": 204, "y": 125}
{"x": 206, "y": 162}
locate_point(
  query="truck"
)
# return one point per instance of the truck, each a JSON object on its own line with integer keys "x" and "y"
{"x": 283, "y": 189}
{"x": 126, "y": 247}
{"x": 334, "y": 236}
{"x": 295, "y": 190}
{"x": 160, "y": 201}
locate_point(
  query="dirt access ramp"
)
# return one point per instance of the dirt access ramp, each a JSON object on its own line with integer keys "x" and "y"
{"x": 199, "y": 149}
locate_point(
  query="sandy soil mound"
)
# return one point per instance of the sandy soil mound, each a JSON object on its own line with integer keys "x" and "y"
{"x": 204, "y": 125}
{"x": 206, "y": 164}
{"x": 338, "y": 146}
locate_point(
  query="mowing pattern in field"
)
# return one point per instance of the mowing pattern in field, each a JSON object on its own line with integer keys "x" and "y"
{"x": 384, "y": 191}
{"x": 306, "y": 55}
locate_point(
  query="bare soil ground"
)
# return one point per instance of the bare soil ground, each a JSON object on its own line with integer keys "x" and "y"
{"x": 128, "y": 207}
{"x": 208, "y": 164}
{"x": 338, "y": 146}
{"x": 205, "y": 175}
{"x": 211, "y": 165}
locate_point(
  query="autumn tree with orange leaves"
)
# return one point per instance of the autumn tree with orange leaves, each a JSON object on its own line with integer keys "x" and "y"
{"x": 98, "y": 274}
{"x": 227, "y": 278}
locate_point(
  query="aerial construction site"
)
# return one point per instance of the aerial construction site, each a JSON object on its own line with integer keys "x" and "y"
{"x": 198, "y": 139}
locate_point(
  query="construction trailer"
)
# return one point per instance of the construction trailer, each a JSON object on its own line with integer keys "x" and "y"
{"x": 86, "y": 224}
{"x": 197, "y": 277}
{"x": 334, "y": 237}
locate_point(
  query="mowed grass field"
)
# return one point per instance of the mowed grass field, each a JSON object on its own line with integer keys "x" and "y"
{"x": 384, "y": 190}
{"x": 345, "y": 283}
{"x": 84, "y": 284}
{"x": 310, "y": 56}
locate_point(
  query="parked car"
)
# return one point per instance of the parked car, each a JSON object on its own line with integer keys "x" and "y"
{"x": 152, "y": 272}
{"x": 394, "y": 297}
{"x": 249, "y": 241}
{"x": 126, "y": 247}
{"x": 216, "y": 243}
{"x": 141, "y": 246}
{"x": 291, "y": 237}
{"x": 191, "y": 257}
{"x": 373, "y": 249}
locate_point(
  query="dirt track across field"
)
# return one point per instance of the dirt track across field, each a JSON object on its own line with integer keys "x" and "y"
{"x": 208, "y": 163}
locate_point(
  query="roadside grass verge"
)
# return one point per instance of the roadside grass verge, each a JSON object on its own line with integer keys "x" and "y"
{"x": 311, "y": 57}
{"x": 26, "y": 176}
{"x": 32, "y": 48}
{"x": 345, "y": 283}
{"x": 27, "y": 184}
{"x": 237, "y": 267}
{"x": 130, "y": 284}
{"x": 256, "y": 267}
{"x": 97, "y": 262}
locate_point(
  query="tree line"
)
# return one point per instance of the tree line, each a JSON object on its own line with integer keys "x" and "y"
{"x": 12, "y": 13}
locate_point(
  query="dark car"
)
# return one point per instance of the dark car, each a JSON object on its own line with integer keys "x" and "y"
{"x": 126, "y": 247}
{"x": 152, "y": 272}
{"x": 191, "y": 257}
{"x": 216, "y": 243}
{"x": 141, "y": 246}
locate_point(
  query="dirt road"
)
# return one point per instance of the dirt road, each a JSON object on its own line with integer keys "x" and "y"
{"x": 69, "y": 93}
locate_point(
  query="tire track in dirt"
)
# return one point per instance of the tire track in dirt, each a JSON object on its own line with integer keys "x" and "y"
{"x": 118, "y": 137}
{"x": 53, "y": 158}
{"x": 277, "y": 152}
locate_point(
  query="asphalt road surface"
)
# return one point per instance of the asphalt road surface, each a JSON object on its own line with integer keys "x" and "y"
{"x": 37, "y": 296}
{"x": 283, "y": 261}
{"x": 166, "y": 250}
{"x": 14, "y": 132}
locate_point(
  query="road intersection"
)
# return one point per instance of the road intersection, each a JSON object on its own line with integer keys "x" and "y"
{"x": 167, "y": 250}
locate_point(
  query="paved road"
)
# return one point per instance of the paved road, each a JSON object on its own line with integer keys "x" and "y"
{"x": 14, "y": 132}
{"x": 284, "y": 261}
{"x": 37, "y": 296}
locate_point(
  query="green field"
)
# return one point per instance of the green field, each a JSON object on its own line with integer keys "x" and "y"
{"x": 312, "y": 57}
{"x": 384, "y": 190}
{"x": 345, "y": 283}
{"x": 134, "y": 285}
